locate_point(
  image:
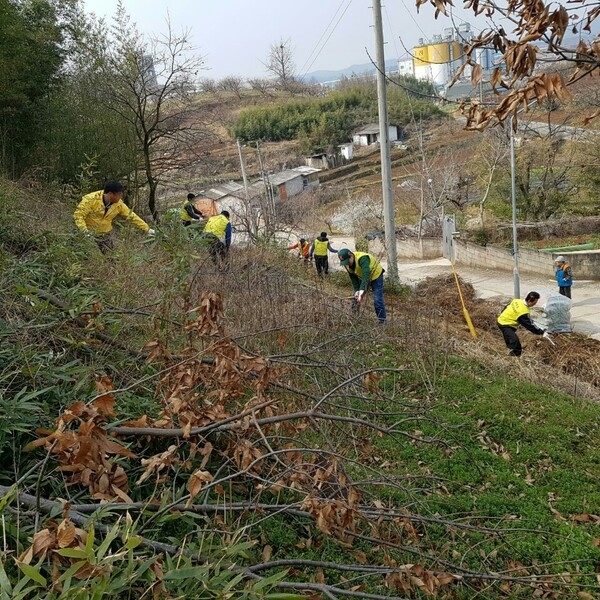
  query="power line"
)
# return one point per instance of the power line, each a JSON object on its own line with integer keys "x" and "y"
{"x": 322, "y": 36}
{"x": 387, "y": 15}
{"x": 329, "y": 36}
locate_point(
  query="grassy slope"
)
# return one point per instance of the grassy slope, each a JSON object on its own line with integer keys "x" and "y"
{"x": 477, "y": 445}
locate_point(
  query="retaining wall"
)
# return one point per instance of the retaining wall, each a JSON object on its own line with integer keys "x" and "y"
{"x": 424, "y": 249}
{"x": 585, "y": 264}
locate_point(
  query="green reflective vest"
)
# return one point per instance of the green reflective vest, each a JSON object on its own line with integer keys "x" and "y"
{"x": 321, "y": 247}
{"x": 217, "y": 226}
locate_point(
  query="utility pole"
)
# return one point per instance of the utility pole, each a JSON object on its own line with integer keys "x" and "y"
{"x": 384, "y": 145}
{"x": 513, "y": 190}
{"x": 243, "y": 167}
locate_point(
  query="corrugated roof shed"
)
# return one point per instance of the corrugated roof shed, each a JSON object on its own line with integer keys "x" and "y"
{"x": 284, "y": 176}
{"x": 370, "y": 129}
{"x": 305, "y": 170}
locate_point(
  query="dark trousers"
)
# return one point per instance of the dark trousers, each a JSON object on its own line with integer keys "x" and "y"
{"x": 106, "y": 242}
{"x": 511, "y": 339}
{"x": 216, "y": 247}
{"x": 565, "y": 291}
{"x": 322, "y": 264}
{"x": 378, "y": 303}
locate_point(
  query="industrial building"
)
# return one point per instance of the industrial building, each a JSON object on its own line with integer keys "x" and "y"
{"x": 439, "y": 59}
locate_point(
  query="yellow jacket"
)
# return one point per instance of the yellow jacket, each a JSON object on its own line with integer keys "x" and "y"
{"x": 511, "y": 314}
{"x": 91, "y": 214}
{"x": 217, "y": 225}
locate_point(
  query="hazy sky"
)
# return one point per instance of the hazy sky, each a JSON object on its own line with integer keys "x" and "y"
{"x": 234, "y": 36}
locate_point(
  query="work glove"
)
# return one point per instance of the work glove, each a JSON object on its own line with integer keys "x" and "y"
{"x": 547, "y": 336}
{"x": 358, "y": 295}
{"x": 151, "y": 232}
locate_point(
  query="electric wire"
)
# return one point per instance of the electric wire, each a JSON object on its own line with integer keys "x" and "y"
{"x": 328, "y": 37}
{"x": 387, "y": 15}
{"x": 322, "y": 36}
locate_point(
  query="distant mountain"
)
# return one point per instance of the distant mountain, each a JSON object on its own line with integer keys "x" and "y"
{"x": 392, "y": 64}
{"x": 367, "y": 68}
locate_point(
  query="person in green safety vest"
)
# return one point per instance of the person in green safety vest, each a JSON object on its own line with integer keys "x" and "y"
{"x": 364, "y": 271}
{"x": 319, "y": 249}
{"x": 516, "y": 313}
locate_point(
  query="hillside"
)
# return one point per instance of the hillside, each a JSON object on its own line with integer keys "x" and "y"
{"x": 246, "y": 429}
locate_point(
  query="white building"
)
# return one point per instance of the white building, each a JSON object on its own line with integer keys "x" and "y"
{"x": 369, "y": 134}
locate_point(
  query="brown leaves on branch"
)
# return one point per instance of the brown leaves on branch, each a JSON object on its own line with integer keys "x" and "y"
{"x": 84, "y": 450}
{"x": 538, "y": 29}
{"x": 540, "y": 88}
{"x": 53, "y": 541}
{"x": 408, "y": 579}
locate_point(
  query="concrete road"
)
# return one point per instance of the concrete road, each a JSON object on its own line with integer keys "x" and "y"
{"x": 488, "y": 283}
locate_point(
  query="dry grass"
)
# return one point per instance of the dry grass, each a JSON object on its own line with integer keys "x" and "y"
{"x": 572, "y": 364}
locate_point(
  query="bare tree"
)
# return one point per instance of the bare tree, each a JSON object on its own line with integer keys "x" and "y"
{"x": 280, "y": 63}
{"x": 208, "y": 85}
{"x": 233, "y": 84}
{"x": 149, "y": 85}
{"x": 493, "y": 151}
{"x": 263, "y": 86}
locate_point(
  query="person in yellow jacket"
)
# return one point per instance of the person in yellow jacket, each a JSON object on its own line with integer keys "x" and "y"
{"x": 364, "y": 271}
{"x": 96, "y": 211}
{"x": 217, "y": 233}
{"x": 319, "y": 249}
{"x": 516, "y": 313}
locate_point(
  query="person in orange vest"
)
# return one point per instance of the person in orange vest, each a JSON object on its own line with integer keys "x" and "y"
{"x": 96, "y": 211}
{"x": 364, "y": 271}
{"x": 303, "y": 248}
{"x": 319, "y": 249}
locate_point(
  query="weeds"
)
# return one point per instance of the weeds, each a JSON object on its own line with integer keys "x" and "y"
{"x": 241, "y": 432}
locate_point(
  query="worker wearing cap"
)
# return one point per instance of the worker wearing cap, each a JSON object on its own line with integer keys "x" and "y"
{"x": 96, "y": 211}
{"x": 188, "y": 212}
{"x": 517, "y": 313}
{"x": 564, "y": 276}
{"x": 319, "y": 249}
{"x": 364, "y": 271}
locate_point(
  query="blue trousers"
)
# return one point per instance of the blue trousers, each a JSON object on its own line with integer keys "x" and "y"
{"x": 378, "y": 303}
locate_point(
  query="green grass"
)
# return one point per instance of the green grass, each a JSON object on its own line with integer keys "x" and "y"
{"x": 571, "y": 240}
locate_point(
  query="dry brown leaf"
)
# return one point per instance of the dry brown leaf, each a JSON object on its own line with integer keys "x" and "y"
{"x": 267, "y": 551}
{"x": 65, "y": 534}
{"x": 196, "y": 482}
